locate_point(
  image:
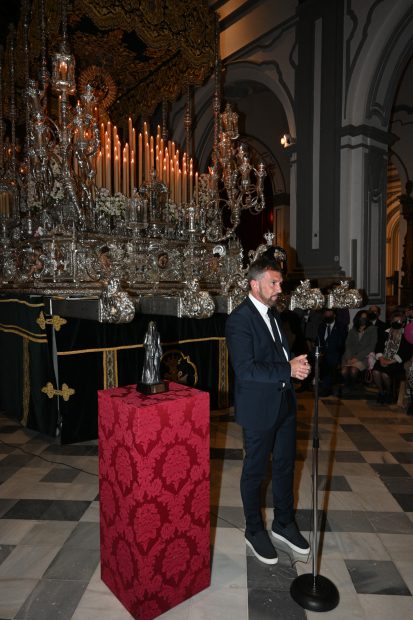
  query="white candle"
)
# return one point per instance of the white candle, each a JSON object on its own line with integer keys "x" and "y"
{"x": 139, "y": 160}
{"x": 171, "y": 180}
{"x": 116, "y": 172}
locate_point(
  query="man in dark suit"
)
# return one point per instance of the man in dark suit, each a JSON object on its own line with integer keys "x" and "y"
{"x": 331, "y": 340}
{"x": 265, "y": 407}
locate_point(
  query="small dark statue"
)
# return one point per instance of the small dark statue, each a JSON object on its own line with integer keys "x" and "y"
{"x": 151, "y": 382}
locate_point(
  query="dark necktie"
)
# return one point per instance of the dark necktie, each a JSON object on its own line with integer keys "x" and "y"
{"x": 328, "y": 331}
{"x": 277, "y": 332}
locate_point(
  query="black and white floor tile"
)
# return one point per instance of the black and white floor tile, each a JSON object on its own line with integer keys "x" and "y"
{"x": 49, "y": 523}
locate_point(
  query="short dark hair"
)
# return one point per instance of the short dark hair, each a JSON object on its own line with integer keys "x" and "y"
{"x": 260, "y": 266}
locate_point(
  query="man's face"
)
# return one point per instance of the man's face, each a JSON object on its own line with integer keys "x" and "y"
{"x": 268, "y": 287}
{"x": 409, "y": 312}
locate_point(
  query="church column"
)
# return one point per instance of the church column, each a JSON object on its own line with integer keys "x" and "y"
{"x": 364, "y": 162}
{"x": 318, "y": 101}
{"x": 406, "y": 206}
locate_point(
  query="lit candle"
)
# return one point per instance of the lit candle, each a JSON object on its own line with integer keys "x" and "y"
{"x": 191, "y": 180}
{"x": 124, "y": 173}
{"x": 132, "y": 174}
{"x": 139, "y": 160}
{"x": 176, "y": 168}
{"x": 167, "y": 166}
{"x": 108, "y": 172}
{"x": 179, "y": 186}
{"x": 171, "y": 180}
{"x": 151, "y": 165}
{"x": 184, "y": 185}
{"x": 147, "y": 164}
{"x": 126, "y": 159}
{"x": 108, "y": 178}
{"x": 196, "y": 188}
{"x": 63, "y": 71}
{"x": 99, "y": 169}
{"x": 130, "y": 131}
{"x": 116, "y": 171}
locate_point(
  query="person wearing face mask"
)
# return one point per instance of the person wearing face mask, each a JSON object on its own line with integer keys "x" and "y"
{"x": 373, "y": 316}
{"x": 331, "y": 338}
{"x": 360, "y": 341}
{"x": 392, "y": 351}
{"x": 409, "y": 314}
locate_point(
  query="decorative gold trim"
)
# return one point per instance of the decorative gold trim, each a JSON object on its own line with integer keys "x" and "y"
{"x": 104, "y": 87}
{"x": 66, "y": 392}
{"x": 55, "y": 320}
{"x": 104, "y": 369}
{"x": 41, "y": 320}
{"x": 20, "y": 301}
{"x": 26, "y": 381}
{"x": 110, "y": 369}
{"x": 18, "y": 331}
{"x": 223, "y": 387}
{"x": 139, "y": 346}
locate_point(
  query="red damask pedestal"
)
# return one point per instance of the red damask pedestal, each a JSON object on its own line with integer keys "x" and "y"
{"x": 154, "y": 496}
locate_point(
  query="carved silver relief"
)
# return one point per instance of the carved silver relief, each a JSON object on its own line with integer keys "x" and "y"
{"x": 194, "y": 303}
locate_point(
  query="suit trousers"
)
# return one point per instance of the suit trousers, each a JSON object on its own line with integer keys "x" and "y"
{"x": 280, "y": 442}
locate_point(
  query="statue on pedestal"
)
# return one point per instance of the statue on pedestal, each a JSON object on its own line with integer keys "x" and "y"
{"x": 150, "y": 382}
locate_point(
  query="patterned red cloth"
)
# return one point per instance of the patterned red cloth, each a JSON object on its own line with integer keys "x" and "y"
{"x": 154, "y": 496}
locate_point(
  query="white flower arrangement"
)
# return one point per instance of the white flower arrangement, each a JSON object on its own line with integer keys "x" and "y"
{"x": 111, "y": 205}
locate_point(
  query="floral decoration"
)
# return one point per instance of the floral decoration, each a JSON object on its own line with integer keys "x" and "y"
{"x": 111, "y": 205}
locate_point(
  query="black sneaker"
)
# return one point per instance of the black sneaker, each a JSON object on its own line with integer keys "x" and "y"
{"x": 262, "y": 547}
{"x": 291, "y": 536}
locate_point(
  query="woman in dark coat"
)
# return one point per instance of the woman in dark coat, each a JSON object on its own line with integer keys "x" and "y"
{"x": 361, "y": 340}
{"x": 392, "y": 351}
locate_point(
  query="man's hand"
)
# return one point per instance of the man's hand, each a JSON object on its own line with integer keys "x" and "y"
{"x": 300, "y": 368}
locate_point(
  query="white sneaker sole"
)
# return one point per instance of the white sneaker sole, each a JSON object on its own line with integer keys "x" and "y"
{"x": 260, "y": 557}
{"x": 287, "y": 542}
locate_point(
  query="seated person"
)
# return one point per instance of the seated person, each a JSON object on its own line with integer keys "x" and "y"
{"x": 409, "y": 378}
{"x": 331, "y": 337}
{"x": 360, "y": 341}
{"x": 392, "y": 351}
{"x": 409, "y": 314}
{"x": 374, "y": 318}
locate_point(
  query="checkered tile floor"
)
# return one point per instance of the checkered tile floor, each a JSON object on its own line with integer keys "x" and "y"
{"x": 49, "y": 523}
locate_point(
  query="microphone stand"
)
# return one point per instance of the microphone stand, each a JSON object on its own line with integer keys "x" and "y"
{"x": 311, "y": 590}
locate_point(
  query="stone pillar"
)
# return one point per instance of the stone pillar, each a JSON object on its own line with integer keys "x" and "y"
{"x": 406, "y": 208}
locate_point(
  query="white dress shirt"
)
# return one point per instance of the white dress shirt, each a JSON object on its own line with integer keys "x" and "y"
{"x": 263, "y": 310}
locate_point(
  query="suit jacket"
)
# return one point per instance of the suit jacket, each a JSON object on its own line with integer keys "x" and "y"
{"x": 333, "y": 347}
{"x": 260, "y": 367}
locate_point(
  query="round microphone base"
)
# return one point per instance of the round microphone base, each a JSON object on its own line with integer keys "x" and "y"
{"x": 315, "y": 593}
